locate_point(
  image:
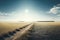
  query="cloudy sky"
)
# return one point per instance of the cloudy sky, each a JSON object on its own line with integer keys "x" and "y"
{"x": 29, "y": 10}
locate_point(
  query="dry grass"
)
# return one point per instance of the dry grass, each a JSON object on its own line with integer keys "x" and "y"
{"x": 9, "y": 26}
{"x": 50, "y": 27}
{"x": 48, "y": 23}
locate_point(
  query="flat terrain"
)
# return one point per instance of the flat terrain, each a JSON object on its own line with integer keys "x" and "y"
{"x": 40, "y": 31}
{"x": 10, "y": 26}
{"x": 46, "y": 31}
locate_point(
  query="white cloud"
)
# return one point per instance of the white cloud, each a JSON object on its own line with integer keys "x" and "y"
{"x": 55, "y": 9}
{"x": 58, "y": 15}
{"x": 4, "y": 14}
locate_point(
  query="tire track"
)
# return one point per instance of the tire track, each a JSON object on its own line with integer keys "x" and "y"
{"x": 11, "y": 34}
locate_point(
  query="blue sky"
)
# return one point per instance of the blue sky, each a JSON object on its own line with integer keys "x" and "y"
{"x": 15, "y": 10}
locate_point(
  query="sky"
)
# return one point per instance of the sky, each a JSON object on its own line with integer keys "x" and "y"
{"x": 29, "y": 10}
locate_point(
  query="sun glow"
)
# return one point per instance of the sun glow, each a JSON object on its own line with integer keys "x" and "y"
{"x": 26, "y": 11}
{"x": 27, "y": 17}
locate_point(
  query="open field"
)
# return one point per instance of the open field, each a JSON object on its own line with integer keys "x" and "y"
{"x": 10, "y": 26}
{"x": 40, "y": 31}
{"x": 46, "y": 31}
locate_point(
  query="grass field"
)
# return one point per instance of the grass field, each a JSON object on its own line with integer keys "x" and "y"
{"x": 10, "y": 26}
{"x": 50, "y": 27}
{"x": 46, "y": 31}
{"x": 41, "y": 30}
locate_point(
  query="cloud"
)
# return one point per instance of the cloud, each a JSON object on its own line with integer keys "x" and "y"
{"x": 4, "y": 14}
{"x": 58, "y": 15}
{"x": 55, "y": 9}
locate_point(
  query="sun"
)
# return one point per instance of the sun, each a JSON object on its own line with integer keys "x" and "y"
{"x": 26, "y": 10}
{"x": 27, "y": 16}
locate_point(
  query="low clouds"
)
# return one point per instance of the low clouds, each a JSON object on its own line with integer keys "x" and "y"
{"x": 7, "y": 14}
{"x": 4, "y": 14}
{"x": 55, "y": 9}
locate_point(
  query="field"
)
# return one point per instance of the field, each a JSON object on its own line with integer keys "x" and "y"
{"x": 49, "y": 27}
{"x": 46, "y": 31}
{"x": 40, "y": 31}
{"x": 10, "y": 26}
